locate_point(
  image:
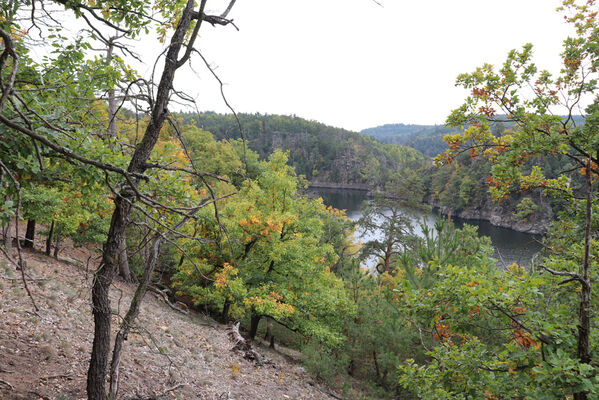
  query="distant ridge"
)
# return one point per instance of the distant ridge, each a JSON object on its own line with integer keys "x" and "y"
{"x": 428, "y": 139}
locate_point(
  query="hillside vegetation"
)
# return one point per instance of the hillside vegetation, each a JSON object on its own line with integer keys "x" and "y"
{"x": 180, "y": 205}
{"x": 321, "y": 153}
{"x": 170, "y": 355}
{"x": 428, "y": 139}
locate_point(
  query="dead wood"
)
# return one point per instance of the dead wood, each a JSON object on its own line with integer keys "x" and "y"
{"x": 244, "y": 347}
{"x": 157, "y": 396}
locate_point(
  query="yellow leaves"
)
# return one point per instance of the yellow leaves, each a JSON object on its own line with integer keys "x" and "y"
{"x": 336, "y": 212}
{"x": 272, "y": 303}
{"x": 236, "y": 369}
{"x": 250, "y": 221}
{"x": 524, "y": 339}
{"x": 224, "y": 276}
{"x": 517, "y": 270}
{"x": 276, "y": 295}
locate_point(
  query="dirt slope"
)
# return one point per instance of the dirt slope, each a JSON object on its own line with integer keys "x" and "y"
{"x": 44, "y": 355}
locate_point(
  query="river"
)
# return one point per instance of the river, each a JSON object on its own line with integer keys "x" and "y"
{"x": 510, "y": 246}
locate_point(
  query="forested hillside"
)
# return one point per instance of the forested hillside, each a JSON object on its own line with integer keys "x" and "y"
{"x": 208, "y": 213}
{"x": 323, "y": 154}
{"x": 428, "y": 139}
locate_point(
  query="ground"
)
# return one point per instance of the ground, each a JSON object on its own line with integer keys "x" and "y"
{"x": 45, "y": 354}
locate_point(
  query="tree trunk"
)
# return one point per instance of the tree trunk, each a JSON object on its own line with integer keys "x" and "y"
{"x": 7, "y": 231}
{"x": 96, "y": 374}
{"x": 29, "y": 234}
{"x": 131, "y": 315}
{"x": 49, "y": 239}
{"x": 376, "y": 365}
{"x": 254, "y": 321}
{"x": 584, "y": 313}
{"x": 225, "y": 313}
{"x": 124, "y": 269}
{"x": 268, "y": 336}
{"x": 268, "y": 325}
{"x": 57, "y": 246}
{"x": 112, "y": 107}
{"x": 106, "y": 271}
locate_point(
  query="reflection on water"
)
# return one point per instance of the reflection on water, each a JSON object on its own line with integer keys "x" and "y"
{"x": 510, "y": 246}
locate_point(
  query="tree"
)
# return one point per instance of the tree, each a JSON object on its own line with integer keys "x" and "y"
{"x": 49, "y": 103}
{"x": 543, "y": 108}
{"x": 391, "y": 213}
{"x": 276, "y": 265}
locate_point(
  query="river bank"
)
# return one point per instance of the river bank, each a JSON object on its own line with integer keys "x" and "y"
{"x": 495, "y": 214}
{"x": 537, "y": 224}
{"x": 510, "y": 245}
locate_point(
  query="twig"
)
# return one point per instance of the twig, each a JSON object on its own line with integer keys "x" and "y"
{"x": 7, "y": 384}
{"x": 157, "y": 396}
{"x": 7, "y": 278}
{"x": 46, "y": 378}
{"x": 165, "y": 297}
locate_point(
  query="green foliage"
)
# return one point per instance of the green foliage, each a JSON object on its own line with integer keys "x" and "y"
{"x": 428, "y": 139}
{"x": 525, "y": 208}
{"x": 527, "y": 334}
{"x": 319, "y": 152}
{"x": 272, "y": 261}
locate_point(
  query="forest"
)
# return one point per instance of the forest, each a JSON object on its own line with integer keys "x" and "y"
{"x": 208, "y": 210}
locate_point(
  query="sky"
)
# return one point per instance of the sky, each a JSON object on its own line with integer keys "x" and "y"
{"x": 355, "y": 64}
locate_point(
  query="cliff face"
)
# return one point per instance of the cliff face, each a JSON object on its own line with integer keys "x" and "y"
{"x": 502, "y": 216}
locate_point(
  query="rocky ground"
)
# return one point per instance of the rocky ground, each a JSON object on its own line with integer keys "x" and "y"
{"x": 44, "y": 354}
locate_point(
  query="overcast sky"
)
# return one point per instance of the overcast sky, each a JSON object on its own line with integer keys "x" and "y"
{"x": 354, "y": 64}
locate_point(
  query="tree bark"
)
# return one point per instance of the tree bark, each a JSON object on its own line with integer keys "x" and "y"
{"x": 124, "y": 269}
{"x": 7, "y": 231}
{"x": 225, "y": 313}
{"x": 49, "y": 239}
{"x": 132, "y": 313}
{"x": 254, "y": 321}
{"x": 29, "y": 234}
{"x": 56, "y": 246}
{"x": 112, "y": 107}
{"x": 268, "y": 336}
{"x": 106, "y": 271}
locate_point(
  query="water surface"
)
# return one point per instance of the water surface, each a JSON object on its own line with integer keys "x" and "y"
{"x": 510, "y": 246}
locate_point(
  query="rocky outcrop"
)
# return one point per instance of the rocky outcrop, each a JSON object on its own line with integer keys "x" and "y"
{"x": 345, "y": 186}
{"x": 537, "y": 223}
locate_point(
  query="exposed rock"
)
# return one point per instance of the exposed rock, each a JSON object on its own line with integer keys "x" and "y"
{"x": 537, "y": 223}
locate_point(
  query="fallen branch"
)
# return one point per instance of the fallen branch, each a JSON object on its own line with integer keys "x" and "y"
{"x": 331, "y": 394}
{"x": 244, "y": 347}
{"x": 47, "y": 378}
{"x": 7, "y": 384}
{"x": 143, "y": 396}
{"x": 165, "y": 297}
{"x": 7, "y": 278}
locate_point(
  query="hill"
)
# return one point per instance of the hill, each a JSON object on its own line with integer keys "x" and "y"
{"x": 322, "y": 153}
{"x": 45, "y": 354}
{"x": 428, "y": 139}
